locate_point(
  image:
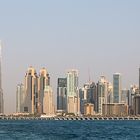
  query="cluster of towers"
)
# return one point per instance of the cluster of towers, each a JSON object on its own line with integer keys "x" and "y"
{"x": 101, "y": 98}
{"x": 36, "y": 95}
{"x": 91, "y": 98}
{"x": 68, "y": 100}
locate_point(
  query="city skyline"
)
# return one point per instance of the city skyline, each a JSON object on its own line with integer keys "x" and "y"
{"x": 100, "y": 98}
{"x": 71, "y": 97}
{"x": 100, "y": 37}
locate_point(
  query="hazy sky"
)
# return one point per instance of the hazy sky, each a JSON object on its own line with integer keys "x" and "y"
{"x": 100, "y": 35}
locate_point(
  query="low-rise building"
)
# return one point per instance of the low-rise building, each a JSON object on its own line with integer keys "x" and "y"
{"x": 89, "y": 109}
{"x": 115, "y": 109}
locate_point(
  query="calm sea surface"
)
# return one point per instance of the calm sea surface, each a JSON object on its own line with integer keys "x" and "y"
{"x": 69, "y": 130}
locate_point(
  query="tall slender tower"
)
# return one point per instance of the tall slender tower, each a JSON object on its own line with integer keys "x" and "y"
{"x": 62, "y": 94}
{"x": 31, "y": 91}
{"x": 1, "y": 91}
{"x": 43, "y": 81}
{"x": 72, "y": 92}
{"x": 102, "y": 93}
{"x": 139, "y": 80}
{"x": 117, "y": 84}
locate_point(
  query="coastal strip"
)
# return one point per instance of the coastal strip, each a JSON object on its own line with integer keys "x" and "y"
{"x": 69, "y": 118}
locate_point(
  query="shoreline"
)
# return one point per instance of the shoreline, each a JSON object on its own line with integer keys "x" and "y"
{"x": 70, "y": 118}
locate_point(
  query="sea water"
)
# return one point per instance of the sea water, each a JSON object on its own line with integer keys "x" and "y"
{"x": 69, "y": 130}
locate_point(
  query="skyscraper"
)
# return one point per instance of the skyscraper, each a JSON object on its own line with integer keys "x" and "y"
{"x": 44, "y": 80}
{"x": 117, "y": 88}
{"x": 31, "y": 91}
{"x": 62, "y": 94}
{"x": 102, "y": 93}
{"x": 1, "y": 90}
{"x": 72, "y": 82}
{"x": 48, "y": 102}
{"x": 139, "y": 80}
{"x": 73, "y": 102}
{"x": 20, "y": 98}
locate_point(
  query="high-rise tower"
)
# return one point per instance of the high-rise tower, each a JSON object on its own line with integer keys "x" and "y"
{"x": 73, "y": 101}
{"x": 31, "y": 91}
{"x": 62, "y": 94}
{"x": 1, "y": 90}
{"x": 139, "y": 80}
{"x": 117, "y": 87}
{"x": 44, "y": 80}
{"x": 20, "y": 98}
{"x": 102, "y": 92}
{"x": 72, "y": 83}
{"x": 48, "y": 102}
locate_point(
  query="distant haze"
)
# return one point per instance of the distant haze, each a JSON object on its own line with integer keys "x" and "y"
{"x": 99, "y": 37}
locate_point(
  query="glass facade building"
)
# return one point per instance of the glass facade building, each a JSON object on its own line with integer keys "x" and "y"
{"x": 117, "y": 88}
{"x": 62, "y": 94}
